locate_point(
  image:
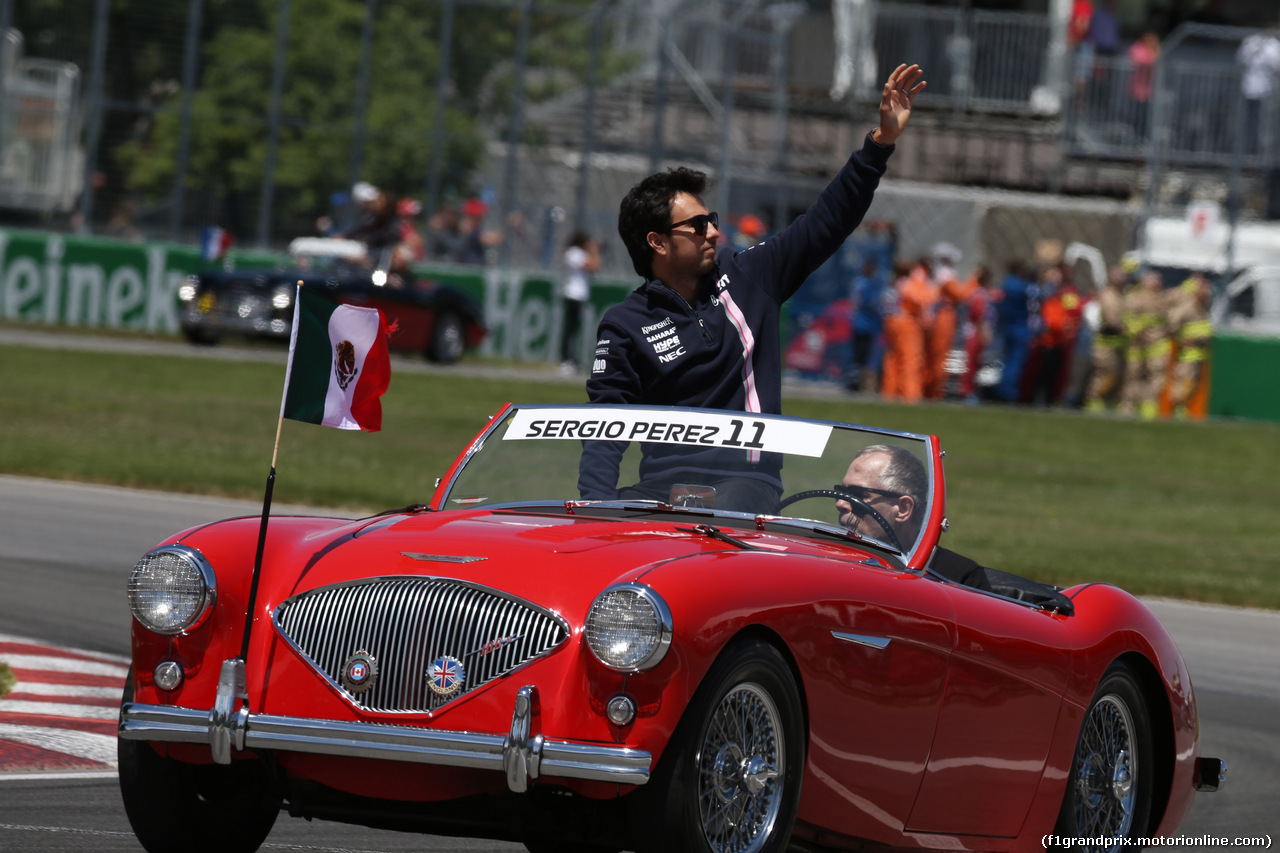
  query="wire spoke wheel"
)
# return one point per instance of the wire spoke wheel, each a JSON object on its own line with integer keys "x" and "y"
{"x": 740, "y": 771}
{"x": 1109, "y": 793}
{"x": 729, "y": 780}
{"x": 1106, "y": 771}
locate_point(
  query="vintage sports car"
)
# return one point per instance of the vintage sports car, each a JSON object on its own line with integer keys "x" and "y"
{"x": 678, "y": 672}
{"x": 430, "y": 318}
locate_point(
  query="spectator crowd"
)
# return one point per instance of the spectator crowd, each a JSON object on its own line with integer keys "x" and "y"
{"x": 392, "y": 233}
{"x": 915, "y": 330}
{"x": 1032, "y": 336}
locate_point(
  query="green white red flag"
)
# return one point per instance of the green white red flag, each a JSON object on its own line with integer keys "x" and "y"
{"x": 338, "y": 364}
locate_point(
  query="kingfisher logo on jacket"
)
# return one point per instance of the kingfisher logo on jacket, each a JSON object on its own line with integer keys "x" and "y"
{"x": 664, "y": 337}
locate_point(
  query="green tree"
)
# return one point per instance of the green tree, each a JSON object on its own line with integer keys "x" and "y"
{"x": 231, "y": 105}
{"x": 229, "y": 138}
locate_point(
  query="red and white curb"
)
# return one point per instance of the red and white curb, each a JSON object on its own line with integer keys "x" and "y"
{"x": 61, "y": 714}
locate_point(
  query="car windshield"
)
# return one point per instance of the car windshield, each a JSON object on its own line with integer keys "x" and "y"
{"x": 875, "y": 483}
{"x": 325, "y": 253}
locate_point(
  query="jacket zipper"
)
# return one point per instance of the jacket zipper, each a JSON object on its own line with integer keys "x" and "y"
{"x": 706, "y": 335}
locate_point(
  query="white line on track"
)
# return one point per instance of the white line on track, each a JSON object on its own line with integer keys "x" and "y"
{"x": 86, "y": 745}
{"x": 59, "y": 709}
{"x": 102, "y": 656}
{"x": 41, "y": 688}
{"x": 49, "y": 663}
{"x": 42, "y": 777}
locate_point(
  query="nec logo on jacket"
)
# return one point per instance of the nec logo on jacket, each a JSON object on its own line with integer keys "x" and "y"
{"x": 669, "y": 357}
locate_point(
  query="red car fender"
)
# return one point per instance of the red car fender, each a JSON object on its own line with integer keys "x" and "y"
{"x": 201, "y": 652}
{"x": 711, "y": 604}
{"x": 1111, "y": 624}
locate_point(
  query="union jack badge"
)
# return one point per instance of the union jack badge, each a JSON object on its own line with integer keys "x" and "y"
{"x": 359, "y": 672}
{"x": 446, "y": 675}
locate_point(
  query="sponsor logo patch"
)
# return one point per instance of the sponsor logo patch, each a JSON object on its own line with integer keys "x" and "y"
{"x": 720, "y": 287}
{"x": 670, "y": 357}
{"x": 665, "y": 340}
{"x": 669, "y": 343}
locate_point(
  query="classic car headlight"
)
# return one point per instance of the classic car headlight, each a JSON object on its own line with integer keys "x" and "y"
{"x": 282, "y": 298}
{"x": 187, "y": 290}
{"x": 172, "y": 589}
{"x": 629, "y": 627}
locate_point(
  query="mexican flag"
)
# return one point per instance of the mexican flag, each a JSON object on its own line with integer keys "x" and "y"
{"x": 338, "y": 364}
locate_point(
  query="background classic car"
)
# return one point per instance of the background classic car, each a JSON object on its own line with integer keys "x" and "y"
{"x": 432, "y": 319}
{"x": 511, "y": 661}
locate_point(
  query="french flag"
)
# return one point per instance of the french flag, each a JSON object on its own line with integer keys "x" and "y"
{"x": 214, "y": 242}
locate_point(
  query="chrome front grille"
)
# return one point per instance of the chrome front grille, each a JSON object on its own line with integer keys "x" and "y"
{"x": 405, "y": 624}
{"x": 241, "y": 299}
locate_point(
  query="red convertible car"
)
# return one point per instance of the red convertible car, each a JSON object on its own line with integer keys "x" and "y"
{"x": 648, "y": 629}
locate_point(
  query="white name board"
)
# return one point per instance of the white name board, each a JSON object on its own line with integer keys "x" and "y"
{"x": 741, "y": 430}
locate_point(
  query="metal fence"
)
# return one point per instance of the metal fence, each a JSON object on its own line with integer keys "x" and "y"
{"x": 40, "y": 163}
{"x": 1194, "y": 114}
{"x": 980, "y": 60}
{"x": 584, "y": 98}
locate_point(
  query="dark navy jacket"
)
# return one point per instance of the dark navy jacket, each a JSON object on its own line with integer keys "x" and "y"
{"x": 724, "y": 351}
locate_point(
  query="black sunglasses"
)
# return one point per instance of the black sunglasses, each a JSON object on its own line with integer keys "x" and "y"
{"x": 698, "y": 222}
{"x": 853, "y": 492}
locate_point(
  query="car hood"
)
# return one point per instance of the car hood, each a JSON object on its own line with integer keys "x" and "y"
{"x": 553, "y": 560}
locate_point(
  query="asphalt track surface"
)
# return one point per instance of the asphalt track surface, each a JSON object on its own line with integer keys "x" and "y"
{"x": 66, "y": 551}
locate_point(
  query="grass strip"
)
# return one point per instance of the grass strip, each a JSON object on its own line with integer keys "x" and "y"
{"x": 1168, "y": 508}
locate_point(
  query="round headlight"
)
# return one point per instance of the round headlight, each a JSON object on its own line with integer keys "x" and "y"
{"x": 629, "y": 627}
{"x": 172, "y": 589}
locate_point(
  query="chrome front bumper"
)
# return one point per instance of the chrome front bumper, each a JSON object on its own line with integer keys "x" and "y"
{"x": 522, "y": 754}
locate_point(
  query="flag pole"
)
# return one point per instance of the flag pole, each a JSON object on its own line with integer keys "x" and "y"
{"x": 262, "y": 543}
{"x": 266, "y": 498}
{"x": 376, "y": 364}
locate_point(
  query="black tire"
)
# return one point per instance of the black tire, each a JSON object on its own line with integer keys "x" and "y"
{"x": 730, "y": 777}
{"x": 1110, "y": 786}
{"x": 201, "y": 337}
{"x": 448, "y": 339}
{"x": 176, "y": 807}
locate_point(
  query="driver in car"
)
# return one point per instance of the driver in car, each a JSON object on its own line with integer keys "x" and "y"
{"x": 887, "y": 482}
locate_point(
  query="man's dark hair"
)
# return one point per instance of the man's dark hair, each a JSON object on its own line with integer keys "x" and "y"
{"x": 647, "y": 207}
